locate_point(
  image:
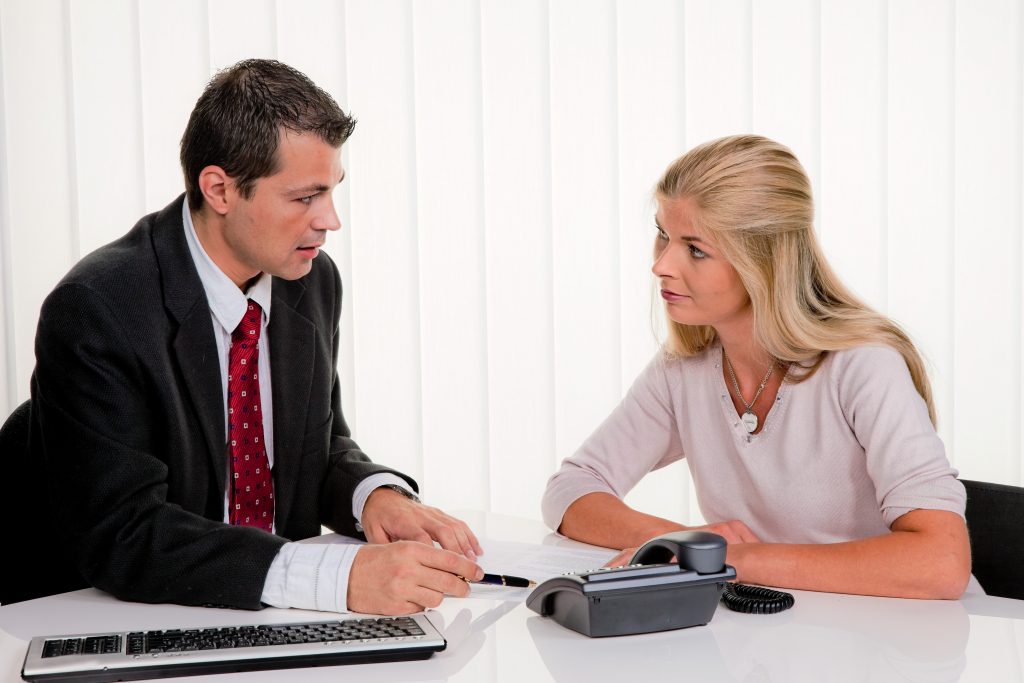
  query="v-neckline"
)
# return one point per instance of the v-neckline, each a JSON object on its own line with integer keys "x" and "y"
{"x": 732, "y": 417}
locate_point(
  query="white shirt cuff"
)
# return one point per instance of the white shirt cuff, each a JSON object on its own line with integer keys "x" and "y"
{"x": 366, "y": 487}
{"x": 310, "y": 576}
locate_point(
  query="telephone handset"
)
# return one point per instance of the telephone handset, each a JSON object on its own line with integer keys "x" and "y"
{"x": 738, "y": 597}
{"x": 649, "y": 594}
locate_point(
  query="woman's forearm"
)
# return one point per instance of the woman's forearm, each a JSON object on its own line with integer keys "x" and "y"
{"x": 603, "y": 519}
{"x": 927, "y": 555}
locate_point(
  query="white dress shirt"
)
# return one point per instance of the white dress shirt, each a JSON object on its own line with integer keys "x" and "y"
{"x": 305, "y": 576}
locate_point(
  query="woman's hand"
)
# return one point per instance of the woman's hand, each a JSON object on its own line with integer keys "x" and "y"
{"x": 622, "y": 558}
{"x": 734, "y": 532}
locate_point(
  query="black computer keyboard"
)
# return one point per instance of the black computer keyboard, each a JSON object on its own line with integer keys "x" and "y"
{"x": 134, "y": 655}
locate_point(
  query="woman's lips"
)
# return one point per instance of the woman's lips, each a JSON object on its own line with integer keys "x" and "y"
{"x": 672, "y": 297}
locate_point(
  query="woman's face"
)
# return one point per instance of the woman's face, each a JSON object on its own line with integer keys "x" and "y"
{"x": 698, "y": 285}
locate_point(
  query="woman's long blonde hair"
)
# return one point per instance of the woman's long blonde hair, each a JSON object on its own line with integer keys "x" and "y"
{"x": 754, "y": 198}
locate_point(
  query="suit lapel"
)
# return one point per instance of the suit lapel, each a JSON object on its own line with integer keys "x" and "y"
{"x": 292, "y": 338}
{"x": 195, "y": 347}
{"x": 194, "y": 343}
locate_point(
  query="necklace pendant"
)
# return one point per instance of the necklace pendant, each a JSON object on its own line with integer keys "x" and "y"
{"x": 749, "y": 421}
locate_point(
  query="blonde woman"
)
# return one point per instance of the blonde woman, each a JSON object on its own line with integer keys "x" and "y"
{"x": 805, "y": 418}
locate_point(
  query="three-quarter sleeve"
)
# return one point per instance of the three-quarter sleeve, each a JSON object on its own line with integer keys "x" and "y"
{"x": 905, "y": 457}
{"x": 639, "y": 436}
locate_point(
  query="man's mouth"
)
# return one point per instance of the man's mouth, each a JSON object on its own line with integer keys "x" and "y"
{"x": 311, "y": 250}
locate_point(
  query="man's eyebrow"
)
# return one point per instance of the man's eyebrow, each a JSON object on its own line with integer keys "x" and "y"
{"x": 317, "y": 187}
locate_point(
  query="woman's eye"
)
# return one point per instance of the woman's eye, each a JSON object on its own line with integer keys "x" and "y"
{"x": 696, "y": 252}
{"x": 662, "y": 235}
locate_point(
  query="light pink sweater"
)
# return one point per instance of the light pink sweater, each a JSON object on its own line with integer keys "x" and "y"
{"x": 841, "y": 455}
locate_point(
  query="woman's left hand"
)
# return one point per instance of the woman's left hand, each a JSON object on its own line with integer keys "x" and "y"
{"x": 622, "y": 558}
{"x": 735, "y": 533}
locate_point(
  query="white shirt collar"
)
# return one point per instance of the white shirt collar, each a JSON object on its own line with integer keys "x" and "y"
{"x": 227, "y": 302}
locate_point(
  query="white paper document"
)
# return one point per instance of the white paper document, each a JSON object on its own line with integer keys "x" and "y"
{"x": 527, "y": 560}
{"x": 531, "y": 561}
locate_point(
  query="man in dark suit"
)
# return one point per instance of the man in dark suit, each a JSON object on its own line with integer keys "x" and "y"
{"x": 186, "y": 414}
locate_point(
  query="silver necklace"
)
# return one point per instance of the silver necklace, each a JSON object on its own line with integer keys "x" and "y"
{"x": 748, "y": 417}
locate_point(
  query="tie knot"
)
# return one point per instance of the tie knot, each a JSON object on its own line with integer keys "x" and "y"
{"x": 249, "y": 328}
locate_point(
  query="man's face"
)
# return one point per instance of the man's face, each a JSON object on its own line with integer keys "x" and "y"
{"x": 279, "y": 230}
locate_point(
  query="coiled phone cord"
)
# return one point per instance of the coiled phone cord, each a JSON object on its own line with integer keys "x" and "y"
{"x": 740, "y": 597}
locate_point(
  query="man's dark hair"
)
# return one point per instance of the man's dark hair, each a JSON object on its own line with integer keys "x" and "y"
{"x": 237, "y": 122}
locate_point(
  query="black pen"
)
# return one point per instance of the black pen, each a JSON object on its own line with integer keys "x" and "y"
{"x": 503, "y": 580}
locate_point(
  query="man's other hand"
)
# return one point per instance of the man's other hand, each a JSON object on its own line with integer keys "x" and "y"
{"x": 389, "y": 516}
{"x": 406, "y": 577}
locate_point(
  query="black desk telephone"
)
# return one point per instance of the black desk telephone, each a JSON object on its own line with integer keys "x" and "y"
{"x": 650, "y": 593}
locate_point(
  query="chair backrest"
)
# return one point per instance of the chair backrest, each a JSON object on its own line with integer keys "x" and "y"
{"x": 995, "y": 523}
{"x": 13, "y": 451}
{"x": 14, "y": 433}
{"x": 41, "y": 563}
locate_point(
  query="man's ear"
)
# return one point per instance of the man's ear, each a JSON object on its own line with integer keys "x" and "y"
{"x": 214, "y": 184}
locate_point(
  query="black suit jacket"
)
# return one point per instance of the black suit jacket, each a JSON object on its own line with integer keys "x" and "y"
{"x": 128, "y": 434}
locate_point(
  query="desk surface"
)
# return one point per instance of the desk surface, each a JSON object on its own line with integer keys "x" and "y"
{"x": 824, "y": 637}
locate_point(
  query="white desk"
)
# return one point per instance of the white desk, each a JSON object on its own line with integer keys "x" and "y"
{"x": 823, "y": 638}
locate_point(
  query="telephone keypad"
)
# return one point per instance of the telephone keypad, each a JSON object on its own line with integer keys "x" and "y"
{"x": 632, "y": 570}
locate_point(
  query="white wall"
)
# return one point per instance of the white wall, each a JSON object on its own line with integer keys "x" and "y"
{"x": 496, "y": 211}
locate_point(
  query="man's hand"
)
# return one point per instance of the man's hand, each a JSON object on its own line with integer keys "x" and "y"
{"x": 734, "y": 532}
{"x": 389, "y": 516}
{"x": 406, "y": 577}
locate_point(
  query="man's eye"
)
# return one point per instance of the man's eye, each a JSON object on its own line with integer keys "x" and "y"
{"x": 306, "y": 200}
{"x": 696, "y": 252}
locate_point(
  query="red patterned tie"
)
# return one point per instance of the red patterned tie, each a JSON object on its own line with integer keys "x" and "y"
{"x": 252, "y": 487}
